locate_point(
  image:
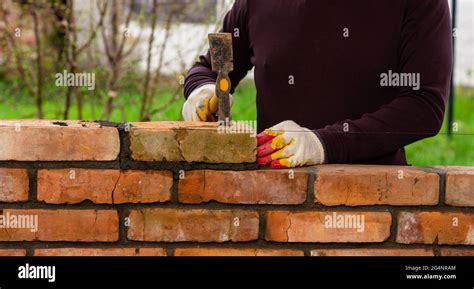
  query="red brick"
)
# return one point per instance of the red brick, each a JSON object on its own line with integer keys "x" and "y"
{"x": 372, "y": 252}
{"x": 244, "y": 187}
{"x": 359, "y": 185}
{"x": 12, "y": 252}
{"x": 436, "y": 228}
{"x": 235, "y": 252}
{"x": 285, "y": 226}
{"x": 100, "y": 252}
{"x": 151, "y": 252}
{"x": 104, "y": 186}
{"x": 190, "y": 142}
{"x": 42, "y": 140}
{"x": 65, "y": 225}
{"x": 457, "y": 252}
{"x": 14, "y": 185}
{"x": 180, "y": 225}
{"x": 460, "y": 186}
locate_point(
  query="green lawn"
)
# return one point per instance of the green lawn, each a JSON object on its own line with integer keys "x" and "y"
{"x": 455, "y": 150}
{"x": 440, "y": 150}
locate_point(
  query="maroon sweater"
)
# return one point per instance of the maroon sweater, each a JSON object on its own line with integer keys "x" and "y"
{"x": 337, "y": 89}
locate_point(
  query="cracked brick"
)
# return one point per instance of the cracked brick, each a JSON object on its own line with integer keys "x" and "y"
{"x": 277, "y": 187}
{"x": 325, "y": 227}
{"x": 104, "y": 186}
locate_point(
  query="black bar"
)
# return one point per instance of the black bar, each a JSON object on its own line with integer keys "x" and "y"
{"x": 302, "y": 272}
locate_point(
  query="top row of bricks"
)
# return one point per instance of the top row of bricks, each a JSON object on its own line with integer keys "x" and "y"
{"x": 41, "y": 140}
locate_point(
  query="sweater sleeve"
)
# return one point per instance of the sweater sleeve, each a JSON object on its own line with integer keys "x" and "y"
{"x": 425, "y": 48}
{"x": 235, "y": 22}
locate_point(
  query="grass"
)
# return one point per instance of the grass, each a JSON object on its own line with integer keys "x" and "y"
{"x": 440, "y": 150}
{"x": 455, "y": 150}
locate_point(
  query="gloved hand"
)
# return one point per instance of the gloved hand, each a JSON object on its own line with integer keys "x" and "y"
{"x": 288, "y": 145}
{"x": 202, "y": 104}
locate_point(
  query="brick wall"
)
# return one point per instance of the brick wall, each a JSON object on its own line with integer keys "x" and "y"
{"x": 183, "y": 189}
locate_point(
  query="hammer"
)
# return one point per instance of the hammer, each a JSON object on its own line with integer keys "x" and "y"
{"x": 222, "y": 63}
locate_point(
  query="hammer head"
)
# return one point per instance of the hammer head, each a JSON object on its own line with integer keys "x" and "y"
{"x": 222, "y": 63}
{"x": 221, "y": 52}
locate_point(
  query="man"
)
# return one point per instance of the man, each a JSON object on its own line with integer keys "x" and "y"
{"x": 337, "y": 81}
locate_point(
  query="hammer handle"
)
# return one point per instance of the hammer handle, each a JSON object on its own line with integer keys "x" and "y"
{"x": 223, "y": 92}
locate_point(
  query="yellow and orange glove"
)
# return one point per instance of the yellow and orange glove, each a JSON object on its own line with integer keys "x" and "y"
{"x": 288, "y": 145}
{"x": 202, "y": 104}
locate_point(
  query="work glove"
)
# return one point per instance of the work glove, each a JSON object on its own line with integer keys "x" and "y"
{"x": 202, "y": 104}
{"x": 288, "y": 145}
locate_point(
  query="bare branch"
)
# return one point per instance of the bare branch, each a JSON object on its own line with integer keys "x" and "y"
{"x": 146, "y": 88}
{"x": 127, "y": 23}
{"x": 108, "y": 52}
{"x": 94, "y": 31}
{"x": 39, "y": 62}
{"x": 15, "y": 49}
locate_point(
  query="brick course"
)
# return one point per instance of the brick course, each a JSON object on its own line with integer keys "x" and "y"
{"x": 184, "y": 189}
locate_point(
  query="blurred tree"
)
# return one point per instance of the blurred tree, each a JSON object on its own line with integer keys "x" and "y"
{"x": 74, "y": 51}
{"x": 34, "y": 10}
{"x": 114, "y": 43}
{"x": 146, "y": 87}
